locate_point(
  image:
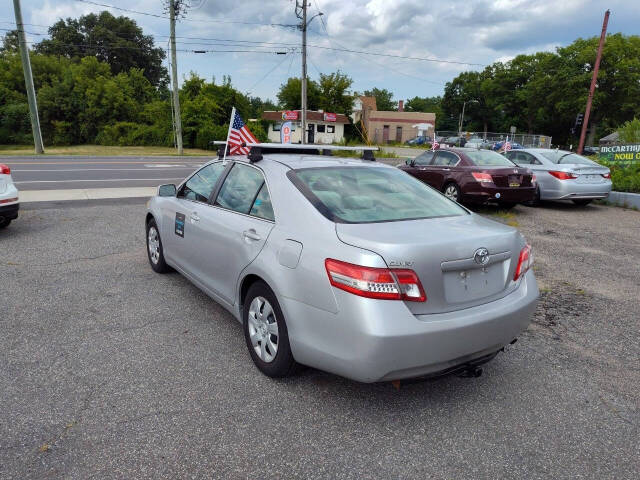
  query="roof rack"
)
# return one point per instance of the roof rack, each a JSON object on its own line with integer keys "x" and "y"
{"x": 256, "y": 149}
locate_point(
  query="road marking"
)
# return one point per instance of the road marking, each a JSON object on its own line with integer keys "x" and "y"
{"x": 99, "y": 180}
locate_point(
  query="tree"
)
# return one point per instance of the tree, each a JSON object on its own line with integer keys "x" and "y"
{"x": 384, "y": 98}
{"x": 10, "y": 42}
{"x": 118, "y": 41}
{"x": 289, "y": 94}
{"x": 334, "y": 96}
{"x": 430, "y": 105}
{"x": 630, "y": 131}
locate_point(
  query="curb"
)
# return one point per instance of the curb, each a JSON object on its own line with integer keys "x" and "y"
{"x": 29, "y": 196}
{"x": 624, "y": 199}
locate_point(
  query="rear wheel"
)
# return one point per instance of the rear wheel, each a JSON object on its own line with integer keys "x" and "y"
{"x": 536, "y": 198}
{"x": 265, "y": 332}
{"x": 452, "y": 192}
{"x": 4, "y": 222}
{"x": 582, "y": 201}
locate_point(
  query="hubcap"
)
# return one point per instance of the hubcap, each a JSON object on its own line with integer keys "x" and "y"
{"x": 451, "y": 192}
{"x": 263, "y": 329}
{"x": 153, "y": 241}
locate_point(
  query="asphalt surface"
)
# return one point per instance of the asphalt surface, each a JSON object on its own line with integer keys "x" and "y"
{"x": 74, "y": 172}
{"x": 108, "y": 370}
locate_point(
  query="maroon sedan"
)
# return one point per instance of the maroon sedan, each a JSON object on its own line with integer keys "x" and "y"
{"x": 469, "y": 175}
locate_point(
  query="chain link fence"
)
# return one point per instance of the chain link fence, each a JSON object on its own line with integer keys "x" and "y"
{"x": 525, "y": 139}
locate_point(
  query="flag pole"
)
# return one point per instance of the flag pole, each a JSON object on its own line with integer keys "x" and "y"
{"x": 226, "y": 147}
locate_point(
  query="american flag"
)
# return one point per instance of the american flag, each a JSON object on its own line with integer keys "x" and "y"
{"x": 435, "y": 145}
{"x": 507, "y": 145}
{"x": 239, "y": 133}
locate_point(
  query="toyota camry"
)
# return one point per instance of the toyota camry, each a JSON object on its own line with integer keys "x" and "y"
{"x": 346, "y": 265}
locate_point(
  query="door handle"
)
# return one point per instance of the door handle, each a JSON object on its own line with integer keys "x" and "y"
{"x": 251, "y": 235}
{"x": 194, "y": 217}
{"x": 446, "y": 169}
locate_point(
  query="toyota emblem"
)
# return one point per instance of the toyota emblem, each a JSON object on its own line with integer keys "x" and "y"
{"x": 481, "y": 257}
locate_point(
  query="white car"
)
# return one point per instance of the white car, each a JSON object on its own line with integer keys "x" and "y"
{"x": 9, "y": 203}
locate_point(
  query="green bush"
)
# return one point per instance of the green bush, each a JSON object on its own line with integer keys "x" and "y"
{"x": 134, "y": 134}
{"x": 624, "y": 176}
{"x": 63, "y": 133}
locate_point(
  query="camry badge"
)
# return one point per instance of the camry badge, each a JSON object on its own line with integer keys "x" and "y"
{"x": 481, "y": 257}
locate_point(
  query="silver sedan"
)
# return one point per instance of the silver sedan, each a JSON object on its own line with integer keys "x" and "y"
{"x": 563, "y": 175}
{"x": 346, "y": 265}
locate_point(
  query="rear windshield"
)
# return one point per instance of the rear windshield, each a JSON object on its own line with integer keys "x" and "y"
{"x": 368, "y": 195}
{"x": 488, "y": 158}
{"x": 560, "y": 156}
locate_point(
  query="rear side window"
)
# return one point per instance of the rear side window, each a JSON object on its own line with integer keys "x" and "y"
{"x": 262, "y": 207}
{"x": 487, "y": 158}
{"x": 423, "y": 159}
{"x": 370, "y": 194}
{"x": 446, "y": 159}
{"x": 200, "y": 186}
{"x": 240, "y": 189}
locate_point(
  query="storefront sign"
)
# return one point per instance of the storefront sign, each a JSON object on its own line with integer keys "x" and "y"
{"x": 290, "y": 115}
{"x": 620, "y": 153}
{"x": 330, "y": 117}
{"x": 285, "y": 132}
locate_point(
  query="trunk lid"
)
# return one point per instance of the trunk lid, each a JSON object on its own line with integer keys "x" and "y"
{"x": 586, "y": 173}
{"x": 441, "y": 252}
{"x": 510, "y": 176}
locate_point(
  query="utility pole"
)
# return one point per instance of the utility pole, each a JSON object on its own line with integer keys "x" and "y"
{"x": 594, "y": 79}
{"x": 304, "y": 71}
{"x": 28, "y": 80}
{"x": 174, "y": 76}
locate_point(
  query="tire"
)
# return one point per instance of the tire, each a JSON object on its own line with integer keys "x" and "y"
{"x": 4, "y": 223}
{"x": 263, "y": 320}
{"x": 452, "y": 192}
{"x": 536, "y": 199}
{"x": 582, "y": 201}
{"x": 155, "y": 253}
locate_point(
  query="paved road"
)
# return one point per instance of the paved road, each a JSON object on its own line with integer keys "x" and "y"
{"x": 108, "y": 370}
{"x": 76, "y": 172}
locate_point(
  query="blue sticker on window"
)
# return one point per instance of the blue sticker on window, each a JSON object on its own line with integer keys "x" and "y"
{"x": 258, "y": 202}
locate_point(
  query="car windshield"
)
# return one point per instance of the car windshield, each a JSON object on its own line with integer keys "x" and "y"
{"x": 369, "y": 195}
{"x": 561, "y": 156}
{"x": 487, "y": 158}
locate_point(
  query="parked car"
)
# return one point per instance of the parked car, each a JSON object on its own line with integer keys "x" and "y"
{"x": 455, "y": 141}
{"x": 563, "y": 175}
{"x": 346, "y": 265}
{"x": 588, "y": 150}
{"x": 9, "y": 204}
{"x": 477, "y": 142}
{"x": 469, "y": 175}
{"x": 514, "y": 146}
{"x": 418, "y": 140}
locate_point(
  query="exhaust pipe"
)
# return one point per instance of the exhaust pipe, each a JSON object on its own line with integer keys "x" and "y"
{"x": 472, "y": 372}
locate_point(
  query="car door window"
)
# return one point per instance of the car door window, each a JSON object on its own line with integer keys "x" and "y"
{"x": 262, "y": 207}
{"x": 423, "y": 159}
{"x": 446, "y": 159}
{"x": 200, "y": 186}
{"x": 240, "y": 189}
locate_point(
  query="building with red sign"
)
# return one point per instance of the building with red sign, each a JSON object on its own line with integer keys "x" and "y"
{"x": 323, "y": 127}
{"x": 393, "y": 125}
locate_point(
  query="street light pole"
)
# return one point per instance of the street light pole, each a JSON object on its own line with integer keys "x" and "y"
{"x": 304, "y": 72}
{"x": 174, "y": 76}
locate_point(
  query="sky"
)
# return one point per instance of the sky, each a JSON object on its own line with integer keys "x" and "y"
{"x": 461, "y": 34}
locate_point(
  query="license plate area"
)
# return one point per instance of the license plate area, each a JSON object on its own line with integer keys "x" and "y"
{"x": 515, "y": 180}
{"x": 589, "y": 178}
{"x": 462, "y": 286}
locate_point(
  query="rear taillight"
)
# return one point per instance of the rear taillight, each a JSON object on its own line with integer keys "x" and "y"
{"x": 534, "y": 179}
{"x": 4, "y": 169}
{"x": 482, "y": 177}
{"x": 606, "y": 175}
{"x": 563, "y": 175}
{"x": 525, "y": 262}
{"x": 381, "y": 283}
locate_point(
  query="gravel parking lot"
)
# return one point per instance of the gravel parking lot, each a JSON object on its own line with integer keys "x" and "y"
{"x": 108, "y": 370}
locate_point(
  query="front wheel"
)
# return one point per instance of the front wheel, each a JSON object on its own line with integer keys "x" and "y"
{"x": 265, "y": 332}
{"x": 155, "y": 251}
{"x": 452, "y": 192}
{"x": 582, "y": 201}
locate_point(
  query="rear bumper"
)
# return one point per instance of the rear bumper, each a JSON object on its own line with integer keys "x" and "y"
{"x": 372, "y": 340}
{"x": 9, "y": 212}
{"x": 491, "y": 193}
{"x": 569, "y": 189}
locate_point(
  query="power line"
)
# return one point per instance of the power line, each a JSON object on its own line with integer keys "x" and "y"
{"x": 156, "y": 15}
{"x": 266, "y": 75}
{"x": 116, "y": 47}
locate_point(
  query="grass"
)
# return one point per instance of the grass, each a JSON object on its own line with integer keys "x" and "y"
{"x": 102, "y": 150}
{"x": 504, "y": 216}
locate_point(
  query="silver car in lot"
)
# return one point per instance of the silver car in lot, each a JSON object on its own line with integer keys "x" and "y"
{"x": 563, "y": 175}
{"x": 346, "y": 265}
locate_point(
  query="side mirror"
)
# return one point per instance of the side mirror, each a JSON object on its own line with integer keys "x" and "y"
{"x": 168, "y": 190}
